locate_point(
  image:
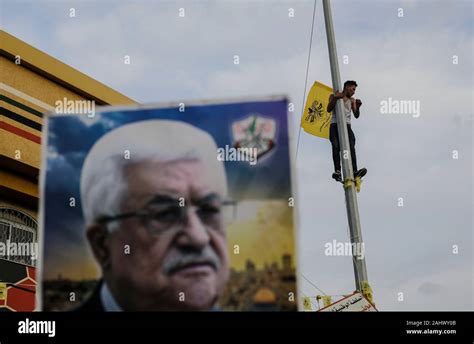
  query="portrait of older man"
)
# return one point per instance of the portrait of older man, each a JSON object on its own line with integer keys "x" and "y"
{"x": 153, "y": 197}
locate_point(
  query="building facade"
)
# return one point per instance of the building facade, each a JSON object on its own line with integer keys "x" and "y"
{"x": 30, "y": 84}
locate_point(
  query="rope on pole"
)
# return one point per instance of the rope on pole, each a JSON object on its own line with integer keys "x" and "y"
{"x": 306, "y": 80}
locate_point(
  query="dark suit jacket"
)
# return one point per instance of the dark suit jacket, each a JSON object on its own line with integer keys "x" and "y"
{"x": 94, "y": 302}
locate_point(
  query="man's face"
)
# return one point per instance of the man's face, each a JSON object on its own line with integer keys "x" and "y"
{"x": 182, "y": 267}
{"x": 350, "y": 90}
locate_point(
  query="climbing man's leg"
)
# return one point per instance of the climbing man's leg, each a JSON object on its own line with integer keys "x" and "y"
{"x": 363, "y": 171}
{"x": 352, "y": 141}
{"x": 336, "y": 158}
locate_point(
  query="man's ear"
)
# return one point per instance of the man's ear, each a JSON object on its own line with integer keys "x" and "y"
{"x": 97, "y": 237}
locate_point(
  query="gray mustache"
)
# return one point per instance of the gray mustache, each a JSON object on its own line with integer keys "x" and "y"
{"x": 208, "y": 255}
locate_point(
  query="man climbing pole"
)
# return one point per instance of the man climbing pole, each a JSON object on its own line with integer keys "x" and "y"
{"x": 351, "y": 105}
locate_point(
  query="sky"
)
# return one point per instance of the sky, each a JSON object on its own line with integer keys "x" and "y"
{"x": 409, "y": 248}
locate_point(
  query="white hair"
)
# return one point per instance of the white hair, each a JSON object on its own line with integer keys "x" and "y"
{"x": 102, "y": 182}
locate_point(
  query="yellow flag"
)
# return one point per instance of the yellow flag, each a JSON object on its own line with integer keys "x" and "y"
{"x": 316, "y": 120}
{"x": 307, "y": 304}
{"x": 3, "y": 291}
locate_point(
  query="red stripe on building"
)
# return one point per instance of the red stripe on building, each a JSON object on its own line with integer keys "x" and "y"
{"x": 20, "y": 132}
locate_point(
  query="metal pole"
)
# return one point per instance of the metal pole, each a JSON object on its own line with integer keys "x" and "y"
{"x": 360, "y": 270}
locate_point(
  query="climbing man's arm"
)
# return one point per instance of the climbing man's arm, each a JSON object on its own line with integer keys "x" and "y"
{"x": 333, "y": 99}
{"x": 355, "y": 107}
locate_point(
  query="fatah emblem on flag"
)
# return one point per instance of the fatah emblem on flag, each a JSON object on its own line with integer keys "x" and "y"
{"x": 255, "y": 132}
{"x": 315, "y": 111}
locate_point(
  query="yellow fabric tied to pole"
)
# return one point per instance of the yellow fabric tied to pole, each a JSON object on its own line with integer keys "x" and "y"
{"x": 315, "y": 119}
{"x": 307, "y": 304}
{"x": 358, "y": 182}
{"x": 327, "y": 300}
{"x": 367, "y": 291}
{"x": 348, "y": 183}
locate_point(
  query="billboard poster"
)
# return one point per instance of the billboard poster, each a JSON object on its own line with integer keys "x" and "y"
{"x": 169, "y": 207}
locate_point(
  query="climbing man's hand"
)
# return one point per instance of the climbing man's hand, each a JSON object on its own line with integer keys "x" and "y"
{"x": 339, "y": 95}
{"x": 358, "y": 103}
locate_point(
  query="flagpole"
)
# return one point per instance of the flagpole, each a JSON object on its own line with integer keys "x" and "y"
{"x": 360, "y": 270}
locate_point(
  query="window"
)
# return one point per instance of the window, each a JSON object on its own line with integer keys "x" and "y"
{"x": 18, "y": 232}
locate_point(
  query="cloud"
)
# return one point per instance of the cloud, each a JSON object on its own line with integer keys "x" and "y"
{"x": 408, "y": 248}
{"x": 430, "y": 288}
